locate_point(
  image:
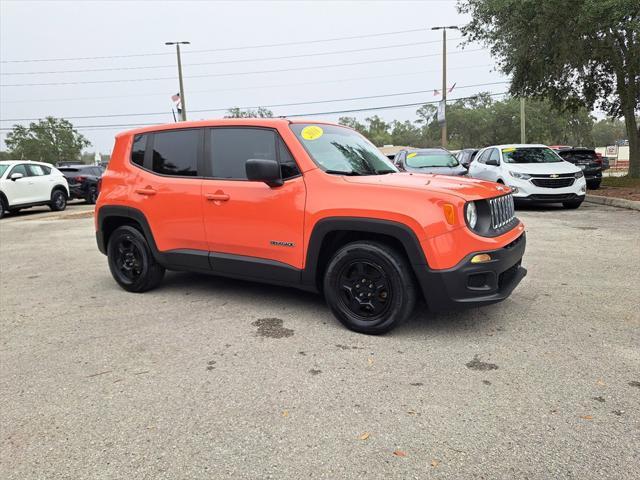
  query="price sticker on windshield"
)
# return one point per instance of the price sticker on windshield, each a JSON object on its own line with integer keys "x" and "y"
{"x": 312, "y": 132}
{"x": 510, "y": 149}
{"x": 411, "y": 155}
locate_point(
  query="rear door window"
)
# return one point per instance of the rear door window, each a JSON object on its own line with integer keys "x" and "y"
{"x": 175, "y": 152}
{"x": 35, "y": 170}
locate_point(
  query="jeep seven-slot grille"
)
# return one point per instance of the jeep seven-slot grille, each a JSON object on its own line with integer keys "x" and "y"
{"x": 502, "y": 211}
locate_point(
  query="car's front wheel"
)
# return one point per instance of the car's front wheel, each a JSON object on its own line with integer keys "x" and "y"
{"x": 370, "y": 287}
{"x": 131, "y": 261}
{"x": 58, "y": 201}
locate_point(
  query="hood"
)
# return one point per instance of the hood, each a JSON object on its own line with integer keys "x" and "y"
{"x": 466, "y": 188}
{"x": 542, "y": 168}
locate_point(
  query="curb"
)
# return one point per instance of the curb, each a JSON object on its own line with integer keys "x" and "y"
{"x": 613, "y": 202}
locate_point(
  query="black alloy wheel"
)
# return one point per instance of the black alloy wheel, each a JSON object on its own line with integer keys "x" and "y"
{"x": 370, "y": 287}
{"x": 365, "y": 289}
{"x": 58, "y": 201}
{"x": 131, "y": 261}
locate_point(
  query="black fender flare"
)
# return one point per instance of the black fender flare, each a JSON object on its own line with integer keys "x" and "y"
{"x": 109, "y": 211}
{"x": 399, "y": 231}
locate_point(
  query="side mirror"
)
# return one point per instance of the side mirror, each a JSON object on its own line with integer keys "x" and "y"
{"x": 16, "y": 176}
{"x": 495, "y": 163}
{"x": 263, "y": 170}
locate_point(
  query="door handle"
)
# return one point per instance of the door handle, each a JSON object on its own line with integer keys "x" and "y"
{"x": 148, "y": 191}
{"x": 217, "y": 197}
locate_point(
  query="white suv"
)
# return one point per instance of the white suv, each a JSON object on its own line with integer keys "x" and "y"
{"x": 25, "y": 184}
{"x": 536, "y": 174}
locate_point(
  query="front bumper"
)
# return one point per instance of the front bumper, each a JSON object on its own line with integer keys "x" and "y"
{"x": 475, "y": 284}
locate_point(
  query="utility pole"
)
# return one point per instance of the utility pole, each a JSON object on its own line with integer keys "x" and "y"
{"x": 183, "y": 103}
{"x": 444, "y": 78}
{"x": 523, "y": 127}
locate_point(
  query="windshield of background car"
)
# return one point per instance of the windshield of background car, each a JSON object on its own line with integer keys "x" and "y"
{"x": 341, "y": 150}
{"x": 3, "y": 168}
{"x": 530, "y": 155}
{"x": 578, "y": 155}
{"x": 433, "y": 158}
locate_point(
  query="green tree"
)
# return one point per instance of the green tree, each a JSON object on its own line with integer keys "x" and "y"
{"x": 351, "y": 122}
{"x": 589, "y": 57}
{"x": 608, "y": 131}
{"x": 237, "y": 112}
{"x": 49, "y": 140}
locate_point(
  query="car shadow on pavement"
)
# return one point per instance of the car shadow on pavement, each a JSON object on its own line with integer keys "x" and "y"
{"x": 483, "y": 320}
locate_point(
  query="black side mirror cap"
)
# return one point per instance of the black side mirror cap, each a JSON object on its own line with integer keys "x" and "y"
{"x": 264, "y": 170}
{"x": 495, "y": 163}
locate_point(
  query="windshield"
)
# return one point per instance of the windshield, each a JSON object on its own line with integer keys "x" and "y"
{"x": 3, "y": 168}
{"x": 431, "y": 158}
{"x": 530, "y": 155}
{"x": 341, "y": 150}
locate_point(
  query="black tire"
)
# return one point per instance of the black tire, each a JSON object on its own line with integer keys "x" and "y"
{"x": 3, "y": 207}
{"x": 58, "y": 201}
{"x": 572, "y": 204}
{"x": 369, "y": 287}
{"x": 92, "y": 196}
{"x": 594, "y": 185}
{"x": 131, "y": 261}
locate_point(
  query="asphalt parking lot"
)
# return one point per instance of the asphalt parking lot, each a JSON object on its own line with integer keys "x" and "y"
{"x": 214, "y": 378}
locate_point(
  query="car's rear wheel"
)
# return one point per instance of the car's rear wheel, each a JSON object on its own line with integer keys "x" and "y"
{"x": 572, "y": 204}
{"x": 131, "y": 261}
{"x": 369, "y": 287}
{"x": 58, "y": 201}
{"x": 92, "y": 195}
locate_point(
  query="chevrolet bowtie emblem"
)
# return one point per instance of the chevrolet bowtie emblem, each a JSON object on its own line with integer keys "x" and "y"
{"x": 554, "y": 175}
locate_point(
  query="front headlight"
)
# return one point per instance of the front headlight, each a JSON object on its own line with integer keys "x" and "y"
{"x": 521, "y": 176}
{"x": 579, "y": 174}
{"x": 471, "y": 214}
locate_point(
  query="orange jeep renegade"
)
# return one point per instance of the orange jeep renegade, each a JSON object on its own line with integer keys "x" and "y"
{"x": 309, "y": 205}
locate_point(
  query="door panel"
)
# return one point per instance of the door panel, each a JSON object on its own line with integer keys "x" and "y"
{"x": 19, "y": 191}
{"x": 248, "y": 218}
{"x": 40, "y": 183}
{"x": 256, "y": 220}
{"x": 169, "y": 192}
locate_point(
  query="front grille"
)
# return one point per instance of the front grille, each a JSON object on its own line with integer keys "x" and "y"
{"x": 553, "y": 182}
{"x": 502, "y": 211}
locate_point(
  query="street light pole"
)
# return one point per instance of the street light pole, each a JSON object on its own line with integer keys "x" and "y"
{"x": 444, "y": 79}
{"x": 183, "y": 103}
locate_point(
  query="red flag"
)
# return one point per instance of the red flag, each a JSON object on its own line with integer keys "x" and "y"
{"x": 175, "y": 97}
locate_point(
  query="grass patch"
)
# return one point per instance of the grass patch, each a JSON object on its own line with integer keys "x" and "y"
{"x": 626, "y": 182}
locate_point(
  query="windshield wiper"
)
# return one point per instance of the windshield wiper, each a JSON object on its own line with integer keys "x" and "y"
{"x": 342, "y": 172}
{"x": 384, "y": 171}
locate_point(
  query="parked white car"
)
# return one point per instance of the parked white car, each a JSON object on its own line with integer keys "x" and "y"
{"x": 536, "y": 174}
{"x": 25, "y": 184}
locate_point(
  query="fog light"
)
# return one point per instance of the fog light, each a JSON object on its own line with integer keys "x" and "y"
{"x": 513, "y": 189}
{"x": 481, "y": 258}
{"x": 583, "y": 188}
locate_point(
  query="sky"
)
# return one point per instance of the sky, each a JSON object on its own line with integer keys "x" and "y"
{"x": 335, "y": 52}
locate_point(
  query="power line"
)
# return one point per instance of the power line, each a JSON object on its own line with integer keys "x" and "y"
{"x": 368, "y": 97}
{"x": 341, "y": 80}
{"x": 384, "y": 107}
{"x": 316, "y": 67}
{"x": 228, "y": 49}
{"x": 224, "y": 62}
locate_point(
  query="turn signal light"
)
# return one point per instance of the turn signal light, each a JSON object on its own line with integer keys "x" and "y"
{"x": 481, "y": 258}
{"x": 449, "y": 213}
